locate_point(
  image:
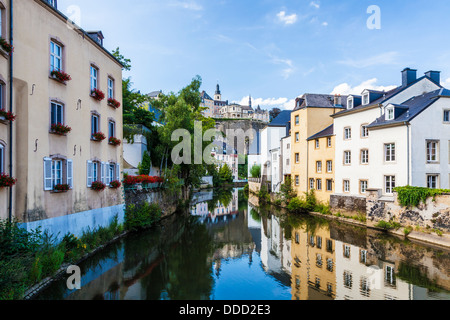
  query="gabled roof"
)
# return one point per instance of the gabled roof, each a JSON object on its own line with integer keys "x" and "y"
{"x": 205, "y": 96}
{"x": 413, "y": 106}
{"x": 282, "y": 119}
{"x": 311, "y": 100}
{"x": 327, "y": 132}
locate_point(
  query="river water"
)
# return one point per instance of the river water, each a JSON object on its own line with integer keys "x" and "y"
{"x": 225, "y": 249}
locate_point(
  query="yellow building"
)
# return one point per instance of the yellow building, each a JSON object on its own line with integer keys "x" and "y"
{"x": 310, "y": 116}
{"x": 313, "y": 265}
{"x": 321, "y": 154}
{"x": 57, "y": 170}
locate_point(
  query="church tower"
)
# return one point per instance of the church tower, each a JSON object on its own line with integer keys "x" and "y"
{"x": 218, "y": 95}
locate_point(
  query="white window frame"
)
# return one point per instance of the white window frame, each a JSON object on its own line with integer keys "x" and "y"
{"x": 389, "y": 184}
{"x": 317, "y": 144}
{"x": 432, "y": 151}
{"x": 111, "y": 92}
{"x": 329, "y": 183}
{"x": 446, "y": 116}
{"x": 350, "y": 103}
{"x": 346, "y": 186}
{"x": 366, "y": 99}
{"x": 57, "y": 171}
{"x": 319, "y": 184}
{"x": 2, "y": 158}
{"x": 56, "y": 58}
{"x": 390, "y": 152}
{"x": 329, "y": 166}
{"x": 390, "y": 113}
{"x": 364, "y": 156}
{"x": 95, "y": 118}
{"x": 433, "y": 181}
{"x": 363, "y": 186}
{"x": 347, "y": 157}
{"x": 364, "y": 131}
{"x": 312, "y": 183}
{"x": 319, "y": 166}
{"x": 111, "y": 129}
{"x": 348, "y": 133}
{"x": 58, "y": 110}
{"x": 94, "y": 78}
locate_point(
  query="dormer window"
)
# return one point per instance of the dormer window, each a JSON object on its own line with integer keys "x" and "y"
{"x": 366, "y": 99}
{"x": 390, "y": 114}
{"x": 350, "y": 103}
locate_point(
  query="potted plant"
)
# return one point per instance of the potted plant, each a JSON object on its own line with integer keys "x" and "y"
{"x": 6, "y": 181}
{"x": 60, "y": 76}
{"x": 115, "y": 184}
{"x": 114, "y": 141}
{"x": 97, "y": 94}
{"x": 98, "y": 186}
{"x": 113, "y": 103}
{"x": 60, "y": 129}
{"x": 6, "y": 46}
{"x": 61, "y": 188}
{"x": 7, "y": 115}
{"x": 98, "y": 136}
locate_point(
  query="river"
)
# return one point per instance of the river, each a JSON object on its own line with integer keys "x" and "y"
{"x": 225, "y": 249}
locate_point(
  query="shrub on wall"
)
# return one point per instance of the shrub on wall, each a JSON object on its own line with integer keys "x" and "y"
{"x": 142, "y": 217}
{"x": 412, "y": 196}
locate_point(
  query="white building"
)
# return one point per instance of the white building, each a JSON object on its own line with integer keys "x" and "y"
{"x": 286, "y": 157}
{"x": 395, "y": 138}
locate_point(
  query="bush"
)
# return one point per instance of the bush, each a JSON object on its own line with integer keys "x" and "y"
{"x": 412, "y": 196}
{"x": 297, "y": 206}
{"x": 255, "y": 171}
{"x": 141, "y": 217}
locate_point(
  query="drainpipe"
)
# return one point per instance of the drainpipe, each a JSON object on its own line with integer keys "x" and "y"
{"x": 10, "y": 108}
{"x": 408, "y": 133}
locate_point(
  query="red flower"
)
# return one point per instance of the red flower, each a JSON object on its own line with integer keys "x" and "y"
{"x": 99, "y": 136}
{"x": 114, "y": 141}
{"x": 62, "y": 187}
{"x": 6, "y": 46}
{"x": 61, "y": 76}
{"x": 60, "y": 128}
{"x": 98, "y": 186}
{"x": 6, "y": 181}
{"x": 114, "y": 103}
{"x": 130, "y": 180}
{"x": 97, "y": 94}
{"x": 115, "y": 185}
{"x": 7, "y": 115}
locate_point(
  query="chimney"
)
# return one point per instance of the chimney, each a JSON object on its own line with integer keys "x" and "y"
{"x": 408, "y": 76}
{"x": 337, "y": 101}
{"x": 434, "y": 75}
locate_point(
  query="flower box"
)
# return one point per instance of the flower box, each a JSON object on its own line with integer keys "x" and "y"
{"x": 6, "y": 181}
{"x": 114, "y": 141}
{"x": 113, "y": 103}
{"x": 61, "y": 188}
{"x": 115, "y": 185}
{"x": 60, "y": 129}
{"x": 6, "y": 46}
{"x": 7, "y": 115}
{"x": 98, "y": 136}
{"x": 98, "y": 186}
{"x": 97, "y": 94}
{"x": 61, "y": 76}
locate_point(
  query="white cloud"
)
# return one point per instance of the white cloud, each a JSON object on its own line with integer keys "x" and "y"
{"x": 325, "y": 24}
{"x": 289, "y": 66}
{"x": 381, "y": 59}
{"x": 287, "y": 19}
{"x": 346, "y": 89}
{"x": 315, "y": 4}
{"x": 189, "y": 5}
{"x": 446, "y": 83}
{"x": 270, "y": 103}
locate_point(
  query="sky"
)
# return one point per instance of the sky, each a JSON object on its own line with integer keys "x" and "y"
{"x": 273, "y": 50}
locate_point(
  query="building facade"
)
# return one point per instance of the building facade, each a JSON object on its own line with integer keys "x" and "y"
{"x": 63, "y": 136}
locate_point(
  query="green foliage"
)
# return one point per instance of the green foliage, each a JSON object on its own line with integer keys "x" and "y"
{"x": 287, "y": 190}
{"x": 255, "y": 171}
{"x": 225, "y": 174}
{"x": 412, "y": 196}
{"x": 388, "y": 225}
{"x": 297, "y": 205}
{"x": 141, "y": 217}
{"x": 243, "y": 168}
{"x": 263, "y": 195}
{"x": 145, "y": 166}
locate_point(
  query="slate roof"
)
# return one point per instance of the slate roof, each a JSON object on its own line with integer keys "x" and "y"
{"x": 282, "y": 119}
{"x": 412, "y": 108}
{"x": 327, "y": 132}
{"x": 320, "y": 101}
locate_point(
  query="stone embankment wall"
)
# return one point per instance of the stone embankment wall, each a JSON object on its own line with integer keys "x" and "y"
{"x": 435, "y": 213}
{"x": 168, "y": 202}
{"x": 348, "y": 204}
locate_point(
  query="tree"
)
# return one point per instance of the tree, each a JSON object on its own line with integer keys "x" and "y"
{"x": 146, "y": 164}
{"x": 287, "y": 190}
{"x": 225, "y": 174}
{"x": 255, "y": 171}
{"x": 274, "y": 113}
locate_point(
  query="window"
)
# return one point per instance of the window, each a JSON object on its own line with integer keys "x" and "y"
{"x": 110, "y": 88}
{"x": 389, "y": 182}
{"x": 347, "y": 133}
{"x": 113, "y": 173}
{"x": 112, "y": 129}
{"x": 319, "y": 261}
{"x": 94, "y": 78}
{"x": 433, "y": 181}
{"x": 297, "y": 120}
{"x": 329, "y": 143}
{"x": 447, "y": 116}
{"x": 390, "y": 275}
{"x": 329, "y": 166}
{"x": 364, "y": 131}
{"x": 2, "y": 158}
{"x": 329, "y": 185}
{"x": 347, "y": 157}
{"x": 55, "y": 57}
{"x": 288, "y": 147}
{"x": 317, "y": 144}
{"x": 363, "y": 185}
{"x": 57, "y": 172}
{"x": 432, "y": 151}
{"x": 311, "y": 184}
{"x": 288, "y": 162}
{"x": 346, "y": 251}
{"x": 319, "y": 184}
{"x": 329, "y": 246}
{"x": 95, "y": 124}
{"x": 390, "y": 114}
{"x": 297, "y": 180}
{"x": 346, "y": 186}
{"x": 348, "y": 279}
{"x": 366, "y": 99}
{"x": 364, "y": 156}
{"x": 330, "y": 264}
{"x": 363, "y": 256}
{"x": 319, "y": 166}
{"x": 2, "y": 103}
{"x": 297, "y": 158}
{"x": 389, "y": 152}
{"x": 350, "y": 103}
{"x": 319, "y": 242}
{"x": 56, "y": 113}
{"x": 297, "y": 137}
{"x": 365, "y": 286}
{"x": 102, "y": 171}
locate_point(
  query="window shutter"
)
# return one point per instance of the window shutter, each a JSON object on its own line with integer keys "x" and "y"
{"x": 90, "y": 173}
{"x": 103, "y": 171}
{"x": 118, "y": 172}
{"x": 48, "y": 181}
{"x": 70, "y": 173}
{"x": 107, "y": 175}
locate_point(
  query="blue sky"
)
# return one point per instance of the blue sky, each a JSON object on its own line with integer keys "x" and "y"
{"x": 275, "y": 50}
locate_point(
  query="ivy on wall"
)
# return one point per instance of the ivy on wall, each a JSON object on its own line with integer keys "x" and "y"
{"x": 413, "y": 196}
